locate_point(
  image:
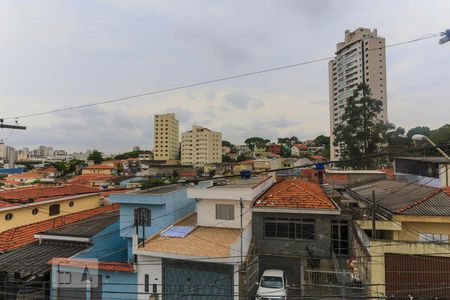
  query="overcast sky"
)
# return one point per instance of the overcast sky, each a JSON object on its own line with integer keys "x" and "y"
{"x": 56, "y": 54}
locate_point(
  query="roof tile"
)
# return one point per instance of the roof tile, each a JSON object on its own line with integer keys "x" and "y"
{"x": 92, "y": 264}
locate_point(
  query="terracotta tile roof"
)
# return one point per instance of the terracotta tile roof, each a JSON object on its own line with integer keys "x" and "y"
{"x": 92, "y": 264}
{"x": 84, "y": 179}
{"x": 24, "y": 235}
{"x": 47, "y": 170}
{"x": 25, "y": 175}
{"x": 318, "y": 157}
{"x": 96, "y": 167}
{"x": 295, "y": 193}
{"x": 202, "y": 241}
{"x": 301, "y": 147}
{"x": 43, "y": 193}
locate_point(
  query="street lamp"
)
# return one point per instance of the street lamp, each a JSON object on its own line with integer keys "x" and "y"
{"x": 446, "y": 37}
{"x": 421, "y": 137}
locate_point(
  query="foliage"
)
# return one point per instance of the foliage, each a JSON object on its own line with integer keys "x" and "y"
{"x": 322, "y": 140}
{"x": 66, "y": 167}
{"x": 360, "y": 133}
{"x": 212, "y": 173}
{"x": 152, "y": 182}
{"x": 285, "y": 151}
{"x": 441, "y": 135}
{"x": 96, "y": 156}
{"x": 226, "y": 158}
{"x": 241, "y": 157}
{"x": 131, "y": 154}
{"x": 200, "y": 171}
{"x": 227, "y": 144}
{"x": 424, "y": 130}
{"x": 251, "y": 142}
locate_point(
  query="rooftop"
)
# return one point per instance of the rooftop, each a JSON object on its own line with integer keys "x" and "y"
{"x": 200, "y": 242}
{"x": 96, "y": 167}
{"x": 394, "y": 195}
{"x": 23, "y": 235}
{"x": 434, "y": 159}
{"x": 164, "y": 189}
{"x": 92, "y": 264}
{"x": 26, "y": 195}
{"x": 295, "y": 193}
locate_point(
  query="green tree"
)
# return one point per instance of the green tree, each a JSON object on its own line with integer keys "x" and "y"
{"x": 131, "y": 154}
{"x": 227, "y": 144}
{"x": 251, "y": 142}
{"x": 96, "y": 156}
{"x": 226, "y": 158}
{"x": 322, "y": 140}
{"x": 360, "y": 133}
{"x": 441, "y": 135}
{"x": 285, "y": 151}
{"x": 424, "y": 130}
{"x": 241, "y": 157}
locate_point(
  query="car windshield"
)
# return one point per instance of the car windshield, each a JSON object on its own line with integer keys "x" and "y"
{"x": 272, "y": 282}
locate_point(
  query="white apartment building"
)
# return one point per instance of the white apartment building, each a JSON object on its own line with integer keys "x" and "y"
{"x": 201, "y": 146}
{"x": 167, "y": 137}
{"x": 361, "y": 57}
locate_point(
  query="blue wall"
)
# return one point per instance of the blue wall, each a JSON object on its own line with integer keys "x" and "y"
{"x": 108, "y": 245}
{"x": 12, "y": 170}
{"x": 116, "y": 285}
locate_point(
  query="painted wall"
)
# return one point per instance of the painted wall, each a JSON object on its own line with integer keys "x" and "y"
{"x": 151, "y": 266}
{"x": 108, "y": 246}
{"x": 97, "y": 171}
{"x": 206, "y": 213}
{"x": 22, "y": 215}
{"x": 115, "y": 285}
{"x": 411, "y": 230}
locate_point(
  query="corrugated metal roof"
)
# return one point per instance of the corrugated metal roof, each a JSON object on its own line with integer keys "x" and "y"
{"x": 434, "y": 159}
{"x": 436, "y": 205}
{"x": 392, "y": 194}
{"x": 33, "y": 259}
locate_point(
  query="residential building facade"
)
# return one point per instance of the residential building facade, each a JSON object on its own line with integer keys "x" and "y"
{"x": 360, "y": 58}
{"x": 201, "y": 146}
{"x": 166, "y": 137}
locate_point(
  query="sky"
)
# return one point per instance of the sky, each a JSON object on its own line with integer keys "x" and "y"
{"x": 57, "y": 54}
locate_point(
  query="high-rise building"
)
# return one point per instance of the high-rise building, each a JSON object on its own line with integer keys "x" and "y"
{"x": 167, "y": 137}
{"x": 361, "y": 57}
{"x": 201, "y": 146}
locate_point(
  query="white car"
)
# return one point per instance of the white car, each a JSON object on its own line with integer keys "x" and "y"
{"x": 273, "y": 286}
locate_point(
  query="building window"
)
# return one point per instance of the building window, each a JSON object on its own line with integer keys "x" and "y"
{"x": 71, "y": 204}
{"x": 339, "y": 236}
{"x": 53, "y": 210}
{"x": 146, "y": 283}
{"x": 34, "y": 211}
{"x": 224, "y": 212}
{"x": 433, "y": 237}
{"x": 287, "y": 228}
{"x": 142, "y": 216}
{"x": 9, "y": 216}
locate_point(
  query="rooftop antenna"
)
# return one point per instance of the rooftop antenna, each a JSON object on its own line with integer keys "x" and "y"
{"x": 446, "y": 37}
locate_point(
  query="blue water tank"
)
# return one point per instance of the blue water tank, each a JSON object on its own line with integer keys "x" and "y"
{"x": 246, "y": 174}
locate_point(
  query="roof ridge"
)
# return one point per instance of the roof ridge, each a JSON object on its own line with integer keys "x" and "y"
{"x": 420, "y": 201}
{"x": 317, "y": 197}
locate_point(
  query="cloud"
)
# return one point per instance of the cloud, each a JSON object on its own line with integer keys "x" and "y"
{"x": 282, "y": 122}
{"x": 241, "y": 100}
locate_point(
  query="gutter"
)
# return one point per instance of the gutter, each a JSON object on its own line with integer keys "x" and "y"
{"x": 41, "y": 237}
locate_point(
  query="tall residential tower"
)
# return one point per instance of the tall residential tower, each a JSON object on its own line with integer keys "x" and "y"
{"x": 361, "y": 57}
{"x": 201, "y": 146}
{"x": 167, "y": 137}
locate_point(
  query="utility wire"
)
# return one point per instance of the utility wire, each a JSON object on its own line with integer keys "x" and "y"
{"x": 207, "y": 82}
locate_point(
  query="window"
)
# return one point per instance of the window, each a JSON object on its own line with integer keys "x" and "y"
{"x": 53, "y": 210}
{"x": 9, "y": 216}
{"x": 71, "y": 204}
{"x": 146, "y": 283}
{"x": 142, "y": 216}
{"x": 35, "y": 211}
{"x": 224, "y": 212}
{"x": 339, "y": 236}
{"x": 433, "y": 237}
{"x": 288, "y": 228}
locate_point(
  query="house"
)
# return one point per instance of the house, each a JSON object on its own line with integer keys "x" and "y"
{"x": 203, "y": 250}
{"x": 267, "y": 164}
{"x": 30, "y": 205}
{"x": 431, "y": 171}
{"x": 131, "y": 165}
{"x": 99, "y": 169}
{"x": 21, "y": 267}
{"x": 145, "y": 156}
{"x": 25, "y": 178}
{"x": 259, "y": 149}
{"x": 297, "y": 227}
{"x": 92, "y": 180}
{"x": 298, "y": 149}
{"x": 274, "y": 148}
{"x": 407, "y": 233}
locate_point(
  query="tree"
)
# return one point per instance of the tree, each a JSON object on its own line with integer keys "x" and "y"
{"x": 251, "y": 142}
{"x": 226, "y": 158}
{"x": 360, "y": 133}
{"x": 227, "y": 144}
{"x": 322, "y": 140}
{"x": 441, "y": 135}
{"x": 418, "y": 130}
{"x": 241, "y": 157}
{"x": 96, "y": 156}
{"x": 131, "y": 154}
{"x": 285, "y": 151}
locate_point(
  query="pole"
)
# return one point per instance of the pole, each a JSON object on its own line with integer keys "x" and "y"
{"x": 438, "y": 149}
{"x": 373, "y": 215}
{"x": 242, "y": 250}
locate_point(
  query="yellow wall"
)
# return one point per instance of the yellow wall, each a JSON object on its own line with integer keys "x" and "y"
{"x": 379, "y": 248}
{"x": 22, "y": 215}
{"x": 97, "y": 171}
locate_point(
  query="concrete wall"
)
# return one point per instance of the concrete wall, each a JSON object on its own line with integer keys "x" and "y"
{"x": 320, "y": 245}
{"x": 206, "y": 216}
{"x": 22, "y": 215}
{"x": 153, "y": 267}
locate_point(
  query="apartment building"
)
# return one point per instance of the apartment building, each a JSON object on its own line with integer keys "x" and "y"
{"x": 201, "y": 146}
{"x": 167, "y": 141}
{"x": 360, "y": 58}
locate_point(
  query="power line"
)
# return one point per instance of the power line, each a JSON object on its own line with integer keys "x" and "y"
{"x": 207, "y": 82}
